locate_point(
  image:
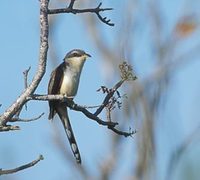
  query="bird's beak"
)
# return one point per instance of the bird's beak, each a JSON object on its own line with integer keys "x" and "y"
{"x": 87, "y": 55}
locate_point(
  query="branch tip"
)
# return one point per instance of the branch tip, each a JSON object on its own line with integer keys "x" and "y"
{"x": 25, "y": 166}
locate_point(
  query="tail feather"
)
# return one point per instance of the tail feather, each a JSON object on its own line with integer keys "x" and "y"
{"x": 52, "y": 111}
{"x": 62, "y": 112}
{"x": 51, "y": 114}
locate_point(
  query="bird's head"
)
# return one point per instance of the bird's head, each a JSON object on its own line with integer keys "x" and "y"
{"x": 76, "y": 57}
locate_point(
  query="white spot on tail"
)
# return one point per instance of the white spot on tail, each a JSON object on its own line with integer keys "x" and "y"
{"x": 74, "y": 147}
{"x": 77, "y": 156}
{"x": 69, "y": 134}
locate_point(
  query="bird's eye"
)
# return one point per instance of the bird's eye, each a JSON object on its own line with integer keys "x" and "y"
{"x": 75, "y": 54}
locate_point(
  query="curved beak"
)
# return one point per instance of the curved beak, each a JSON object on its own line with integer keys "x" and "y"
{"x": 87, "y": 55}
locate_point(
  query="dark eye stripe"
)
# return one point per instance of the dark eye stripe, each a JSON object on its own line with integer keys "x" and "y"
{"x": 74, "y": 55}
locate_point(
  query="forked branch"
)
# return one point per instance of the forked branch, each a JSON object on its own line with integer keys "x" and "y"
{"x": 71, "y": 9}
{"x": 110, "y": 125}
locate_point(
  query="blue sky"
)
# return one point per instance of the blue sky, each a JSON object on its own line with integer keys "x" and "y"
{"x": 19, "y": 48}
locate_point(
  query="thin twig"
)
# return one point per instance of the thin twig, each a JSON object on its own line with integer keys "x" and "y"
{"x": 96, "y": 10}
{"x": 26, "y": 120}
{"x": 26, "y": 80}
{"x": 26, "y": 77}
{"x": 71, "y": 4}
{"x": 123, "y": 133}
{"x": 28, "y": 165}
{"x": 25, "y": 73}
{"x": 108, "y": 96}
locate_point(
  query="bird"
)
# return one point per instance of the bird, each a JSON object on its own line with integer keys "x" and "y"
{"x": 64, "y": 80}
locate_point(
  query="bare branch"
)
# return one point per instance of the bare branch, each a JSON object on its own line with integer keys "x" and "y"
{"x": 96, "y": 10}
{"x": 26, "y": 80}
{"x": 8, "y": 128}
{"x": 73, "y": 106}
{"x": 25, "y": 86}
{"x": 48, "y": 97}
{"x": 109, "y": 124}
{"x": 108, "y": 96}
{"x": 71, "y": 4}
{"x": 20, "y": 101}
{"x": 91, "y": 107}
{"x": 26, "y": 120}
{"x": 28, "y": 165}
{"x": 76, "y": 107}
{"x": 104, "y": 20}
{"x": 26, "y": 77}
{"x": 123, "y": 133}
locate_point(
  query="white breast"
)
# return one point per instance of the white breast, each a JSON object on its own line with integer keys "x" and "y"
{"x": 70, "y": 83}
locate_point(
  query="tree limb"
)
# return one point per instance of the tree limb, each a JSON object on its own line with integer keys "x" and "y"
{"x": 28, "y": 165}
{"x": 96, "y": 11}
{"x": 76, "y": 107}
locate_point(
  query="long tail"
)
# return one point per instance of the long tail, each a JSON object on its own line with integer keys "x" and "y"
{"x": 62, "y": 112}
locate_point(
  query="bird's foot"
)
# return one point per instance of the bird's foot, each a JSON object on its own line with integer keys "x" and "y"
{"x": 69, "y": 97}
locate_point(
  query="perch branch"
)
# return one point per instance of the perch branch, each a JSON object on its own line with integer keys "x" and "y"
{"x": 73, "y": 106}
{"x": 76, "y": 107}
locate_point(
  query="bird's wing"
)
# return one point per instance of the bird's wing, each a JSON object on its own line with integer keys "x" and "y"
{"x": 54, "y": 87}
{"x": 62, "y": 112}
